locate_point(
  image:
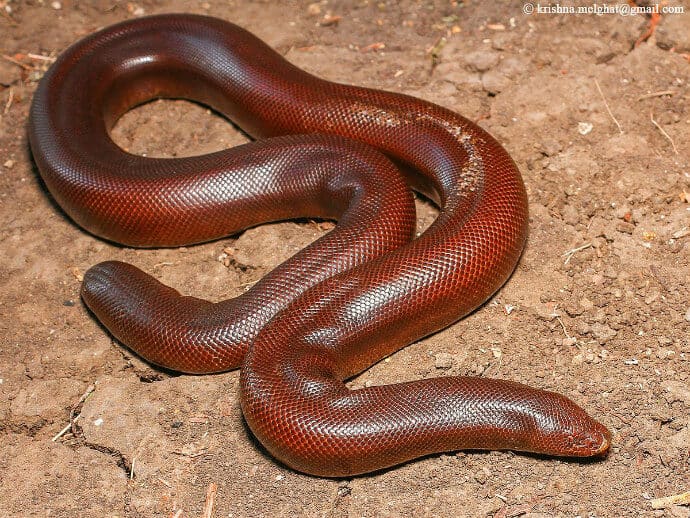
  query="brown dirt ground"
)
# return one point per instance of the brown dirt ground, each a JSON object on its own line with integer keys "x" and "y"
{"x": 607, "y": 324}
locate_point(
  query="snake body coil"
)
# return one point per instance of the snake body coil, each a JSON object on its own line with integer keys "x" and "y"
{"x": 356, "y": 295}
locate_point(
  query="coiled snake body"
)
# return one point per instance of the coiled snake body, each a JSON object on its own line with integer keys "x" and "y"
{"x": 353, "y": 297}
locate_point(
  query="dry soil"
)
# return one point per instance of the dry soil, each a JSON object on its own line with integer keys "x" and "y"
{"x": 598, "y": 308}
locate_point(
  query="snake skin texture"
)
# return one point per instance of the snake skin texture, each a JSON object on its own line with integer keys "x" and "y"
{"x": 355, "y": 296}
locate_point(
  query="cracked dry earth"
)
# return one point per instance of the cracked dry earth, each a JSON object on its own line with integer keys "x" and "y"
{"x": 598, "y": 308}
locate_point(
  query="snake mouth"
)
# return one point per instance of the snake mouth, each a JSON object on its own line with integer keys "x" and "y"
{"x": 603, "y": 448}
{"x": 593, "y": 443}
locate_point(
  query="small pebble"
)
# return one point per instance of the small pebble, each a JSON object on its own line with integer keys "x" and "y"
{"x": 610, "y": 273}
{"x": 586, "y": 303}
{"x": 602, "y": 332}
{"x": 481, "y": 60}
{"x": 584, "y": 128}
{"x": 570, "y": 215}
{"x": 443, "y": 361}
{"x": 625, "y": 228}
{"x": 663, "y": 354}
{"x": 56, "y": 5}
{"x": 482, "y": 475}
{"x": 651, "y": 297}
{"x": 677, "y": 391}
{"x": 550, "y": 147}
{"x": 9, "y": 73}
{"x": 687, "y": 315}
{"x": 623, "y": 212}
{"x": 495, "y": 82}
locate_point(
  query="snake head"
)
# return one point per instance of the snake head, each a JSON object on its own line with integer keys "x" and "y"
{"x": 562, "y": 428}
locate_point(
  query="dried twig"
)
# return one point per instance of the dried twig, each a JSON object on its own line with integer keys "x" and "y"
{"x": 565, "y": 331}
{"x": 15, "y": 62}
{"x": 668, "y": 501}
{"x": 73, "y": 416}
{"x": 607, "y": 106}
{"x": 62, "y": 432}
{"x": 673, "y": 144}
{"x": 570, "y": 253}
{"x": 8, "y": 104}
{"x": 41, "y": 57}
{"x": 656, "y": 94}
{"x": 378, "y": 45}
{"x": 683, "y": 232}
{"x": 210, "y": 497}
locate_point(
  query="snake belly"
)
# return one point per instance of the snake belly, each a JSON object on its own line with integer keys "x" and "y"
{"x": 353, "y": 297}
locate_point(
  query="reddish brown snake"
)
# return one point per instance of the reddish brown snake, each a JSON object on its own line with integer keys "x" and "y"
{"x": 360, "y": 293}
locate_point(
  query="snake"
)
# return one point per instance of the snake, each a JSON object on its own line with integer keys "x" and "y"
{"x": 353, "y": 297}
